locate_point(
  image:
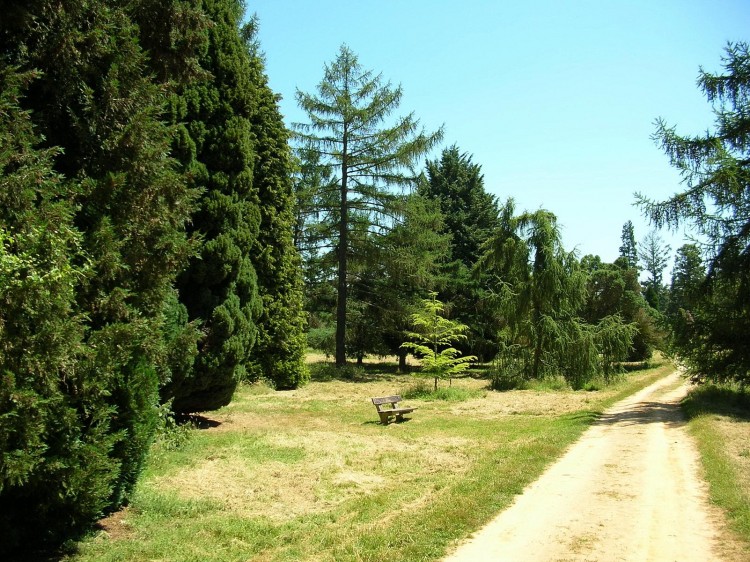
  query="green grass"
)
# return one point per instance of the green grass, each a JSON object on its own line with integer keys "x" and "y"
{"x": 718, "y": 414}
{"x": 311, "y": 474}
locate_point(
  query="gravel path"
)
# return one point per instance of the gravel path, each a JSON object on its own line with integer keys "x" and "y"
{"x": 627, "y": 490}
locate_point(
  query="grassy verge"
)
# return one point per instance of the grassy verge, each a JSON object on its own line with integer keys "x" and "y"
{"x": 719, "y": 419}
{"x": 311, "y": 475}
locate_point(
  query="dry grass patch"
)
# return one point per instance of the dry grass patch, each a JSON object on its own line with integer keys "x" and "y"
{"x": 335, "y": 467}
{"x": 735, "y": 434}
{"x": 311, "y": 474}
{"x": 523, "y": 402}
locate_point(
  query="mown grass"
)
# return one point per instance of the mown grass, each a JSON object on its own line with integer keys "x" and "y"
{"x": 311, "y": 474}
{"x": 719, "y": 419}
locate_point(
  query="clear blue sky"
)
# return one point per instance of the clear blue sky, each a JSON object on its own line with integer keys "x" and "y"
{"x": 556, "y": 100}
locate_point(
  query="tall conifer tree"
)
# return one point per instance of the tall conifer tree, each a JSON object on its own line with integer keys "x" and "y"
{"x": 347, "y": 131}
{"x": 471, "y": 216}
{"x": 218, "y": 150}
{"x": 96, "y": 99}
{"x": 279, "y": 352}
{"x": 628, "y": 249}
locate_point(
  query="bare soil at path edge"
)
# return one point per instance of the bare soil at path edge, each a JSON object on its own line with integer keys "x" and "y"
{"x": 628, "y": 490}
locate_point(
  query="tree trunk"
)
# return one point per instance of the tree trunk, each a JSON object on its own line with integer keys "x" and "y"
{"x": 342, "y": 250}
{"x": 402, "y": 367}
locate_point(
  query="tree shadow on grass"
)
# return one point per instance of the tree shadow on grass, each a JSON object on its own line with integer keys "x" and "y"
{"x": 196, "y": 420}
{"x": 324, "y": 371}
{"x": 37, "y": 557}
{"x": 721, "y": 400}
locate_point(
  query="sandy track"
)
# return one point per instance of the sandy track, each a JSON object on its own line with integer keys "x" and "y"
{"x": 627, "y": 490}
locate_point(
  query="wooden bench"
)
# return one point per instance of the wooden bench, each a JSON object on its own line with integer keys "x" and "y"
{"x": 386, "y": 412}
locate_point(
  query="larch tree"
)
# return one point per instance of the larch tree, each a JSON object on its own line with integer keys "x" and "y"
{"x": 715, "y": 168}
{"x": 348, "y": 130}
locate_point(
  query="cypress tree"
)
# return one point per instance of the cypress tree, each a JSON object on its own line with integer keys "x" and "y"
{"x": 217, "y": 148}
{"x": 56, "y": 473}
{"x": 279, "y": 352}
{"x": 97, "y": 100}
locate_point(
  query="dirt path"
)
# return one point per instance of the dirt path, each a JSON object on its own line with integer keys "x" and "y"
{"x": 628, "y": 490}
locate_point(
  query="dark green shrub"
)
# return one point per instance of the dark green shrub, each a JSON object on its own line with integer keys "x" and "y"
{"x": 57, "y": 471}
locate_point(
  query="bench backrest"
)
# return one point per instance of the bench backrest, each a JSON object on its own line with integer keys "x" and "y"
{"x": 386, "y": 400}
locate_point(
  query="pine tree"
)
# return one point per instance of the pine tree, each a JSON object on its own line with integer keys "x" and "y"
{"x": 366, "y": 157}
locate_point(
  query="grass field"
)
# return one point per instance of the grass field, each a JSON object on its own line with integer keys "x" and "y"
{"x": 719, "y": 419}
{"x": 310, "y": 474}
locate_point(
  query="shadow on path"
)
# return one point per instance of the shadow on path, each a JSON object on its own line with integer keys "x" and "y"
{"x": 667, "y": 413}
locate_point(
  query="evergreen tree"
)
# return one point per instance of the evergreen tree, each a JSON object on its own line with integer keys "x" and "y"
{"x": 686, "y": 292}
{"x": 366, "y": 157}
{"x": 628, "y": 250}
{"x": 716, "y": 203}
{"x": 471, "y": 216}
{"x": 614, "y": 290}
{"x": 218, "y": 150}
{"x": 96, "y": 99}
{"x": 48, "y": 486}
{"x": 279, "y": 352}
{"x": 654, "y": 254}
{"x": 541, "y": 296}
{"x": 413, "y": 253}
{"x": 435, "y": 337}
{"x": 392, "y": 276}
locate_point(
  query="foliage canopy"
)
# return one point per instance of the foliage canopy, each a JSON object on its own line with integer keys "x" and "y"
{"x": 716, "y": 203}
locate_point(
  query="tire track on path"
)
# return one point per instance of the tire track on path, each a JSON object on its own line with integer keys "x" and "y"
{"x": 628, "y": 490}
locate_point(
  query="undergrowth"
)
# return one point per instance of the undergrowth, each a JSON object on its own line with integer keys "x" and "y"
{"x": 422, "y": 390}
